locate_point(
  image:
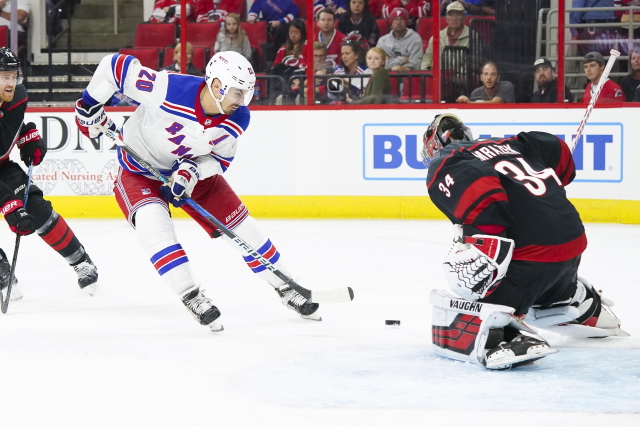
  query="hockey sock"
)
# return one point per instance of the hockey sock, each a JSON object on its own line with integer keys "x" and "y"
{"x": 249, "y": 231}
{"x": 57, "y": 234}
{"x": 157, "y": 236}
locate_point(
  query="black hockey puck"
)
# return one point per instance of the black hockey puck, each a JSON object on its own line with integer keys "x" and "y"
{"x": 392, "y": 322}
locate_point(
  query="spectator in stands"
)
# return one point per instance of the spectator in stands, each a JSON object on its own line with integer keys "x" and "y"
{"x": 402, "y": 45}
{"x": 455, "y": 34}
{"x": 631, "y": 82}
{"x": 625, "y": 17}
{"x": 191, "y": 69}
{"x": 232, "y": 37}
{"x": 23, "y": 18}
{"x": 416, "y": 9}
{"x": 278, "y": 14}
{"x": 636, "y": 98}
{"x": 593, "y": 64}
{"x": 328, "y": 35}
{"x": 358, "y": 18}
{"x": 473, "y": 7}
{"x": 602, "y": 36}
{"x": 217, "y": 10}
{"x": 352, "y": 57}
{"x": 169, "y": 11}
{"x": 493, "y": 90}
{"x": 339, "y": 7}
{"x": 548, "y": 83}
{"x": 292, "y": 53}
{"x": 445, "y": 3}
{"x": 378, "y": 88}
{"x": 321, "y": 67}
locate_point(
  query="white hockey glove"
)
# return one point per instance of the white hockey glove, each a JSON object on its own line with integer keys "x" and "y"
{"x": 475, "y": 265}
{"x": 184, "y": 178}
{"x": 91, "y": 120}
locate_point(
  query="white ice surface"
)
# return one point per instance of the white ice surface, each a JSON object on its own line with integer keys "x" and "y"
{"x": 133, "y": 356}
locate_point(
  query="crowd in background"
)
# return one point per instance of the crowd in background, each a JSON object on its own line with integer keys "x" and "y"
{"x": 348, "y": 42}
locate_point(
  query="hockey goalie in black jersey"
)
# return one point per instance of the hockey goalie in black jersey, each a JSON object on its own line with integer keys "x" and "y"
{"x": 517, "y": 247}
{"x": 38, "y": 216}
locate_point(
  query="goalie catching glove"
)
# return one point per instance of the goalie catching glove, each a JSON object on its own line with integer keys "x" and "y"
{"x": 475, "y": 265}
{"x": 91, "y": 120}
{"x": 184, "y": 178}
{"x": 32, "y": 146}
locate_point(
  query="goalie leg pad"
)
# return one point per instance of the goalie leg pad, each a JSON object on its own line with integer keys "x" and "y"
{"x": 475, "y": 265}
{"x": 462, "y": 330}
{"x": 587, "y": 315}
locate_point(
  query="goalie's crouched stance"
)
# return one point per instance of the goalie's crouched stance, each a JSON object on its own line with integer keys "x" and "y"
{"x": 487, "y": 325}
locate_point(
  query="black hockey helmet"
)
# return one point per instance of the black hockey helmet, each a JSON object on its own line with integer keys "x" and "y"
{"x": 9, "y": 62}
{"x": 443, "y": 130}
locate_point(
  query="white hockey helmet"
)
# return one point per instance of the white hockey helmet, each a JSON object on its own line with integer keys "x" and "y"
{"x": 233, "y": 70}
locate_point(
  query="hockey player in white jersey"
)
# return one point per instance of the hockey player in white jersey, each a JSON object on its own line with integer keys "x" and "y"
{"x": 188, "y": 128}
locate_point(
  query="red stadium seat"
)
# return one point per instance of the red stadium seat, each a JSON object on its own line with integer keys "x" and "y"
{"x": 202, "y": 34}
{"x": 383, "y": 25}
{"x": 148, "y": 56}
{"x": 424, "y": 29}
{"x": 412, "y": 91}
{"x": 198, "y": 60}
{"x": 4, "y": 36}
{"x": 256, "y": 32}
{"x": 155, "y": 35}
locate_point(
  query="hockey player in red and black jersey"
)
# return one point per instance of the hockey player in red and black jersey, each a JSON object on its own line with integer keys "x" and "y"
{"x": 517, "y": 247}
{"x": 38, "y": 216}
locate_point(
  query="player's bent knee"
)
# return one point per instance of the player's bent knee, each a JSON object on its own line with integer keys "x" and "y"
{"x": 154, "y": 225}
{"x": 40, "y": 208}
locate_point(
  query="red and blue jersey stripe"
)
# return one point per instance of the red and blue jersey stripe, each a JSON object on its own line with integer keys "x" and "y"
{"x": 120, "y": 67}
{"x": 268, "y": 251}
{"x": 169, "y": 258}
{"x": 225, "y": 162}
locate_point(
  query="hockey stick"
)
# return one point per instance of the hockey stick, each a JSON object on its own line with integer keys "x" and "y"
{"x": 332, "y": 296}
{"x": 614, "y": 54}
{"x": 5, "y": 303}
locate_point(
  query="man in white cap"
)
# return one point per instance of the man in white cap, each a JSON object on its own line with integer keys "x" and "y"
{"x": 455, "y": 34}
{"x": 402, "y": 45}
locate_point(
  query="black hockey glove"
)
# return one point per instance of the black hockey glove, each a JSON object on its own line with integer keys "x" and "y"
{"x": 19, "y": 220}
{"x": 32, "y": 146}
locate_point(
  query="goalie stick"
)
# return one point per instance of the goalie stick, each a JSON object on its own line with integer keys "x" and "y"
{"x": 5, "y": 304}
{"x": 614, "y": 54}
{"x": 331, "y": 296}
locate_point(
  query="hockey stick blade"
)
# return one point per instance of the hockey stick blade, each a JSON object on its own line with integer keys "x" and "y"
{"x": 332, "y": 296}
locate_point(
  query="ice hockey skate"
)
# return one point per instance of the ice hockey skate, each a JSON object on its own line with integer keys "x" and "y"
{"x": 202, "y": 309}
{"x": 87, "y": 274}
{"x": 5, "y": 271}
{"x": 521, "y": 350}
{"x": 296, "y": 302}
